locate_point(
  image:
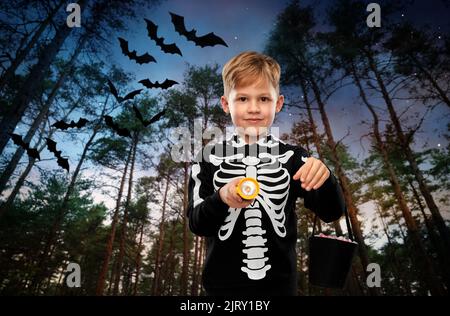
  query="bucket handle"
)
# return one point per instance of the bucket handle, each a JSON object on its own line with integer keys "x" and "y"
{"x": 347, "y": 221}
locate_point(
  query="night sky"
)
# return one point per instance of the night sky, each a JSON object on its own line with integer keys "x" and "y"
{"x": 245, "y": 25}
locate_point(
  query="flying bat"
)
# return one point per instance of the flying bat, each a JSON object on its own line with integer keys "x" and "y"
{"x": 62, "y": 162}
{"x": 164, "y": 85}
{"x": 120, "y": 131}
{"x": 209, "y": 39}
{"x": 120, "y": 99}
{"x": 32, "y": 152}
{"x": 142, "y": 59}
{"x": 63, "y": 125}
{"x": 152, "y": 29}
{"x": 146, "y": 123}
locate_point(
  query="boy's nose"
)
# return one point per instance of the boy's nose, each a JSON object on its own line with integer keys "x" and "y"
{"x": 253, "y": 107}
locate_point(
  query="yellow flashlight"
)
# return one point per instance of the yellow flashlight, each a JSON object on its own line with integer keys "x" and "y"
{"x": 248, "y": 188}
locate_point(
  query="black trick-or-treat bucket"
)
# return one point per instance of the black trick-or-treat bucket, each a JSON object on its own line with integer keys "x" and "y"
{"x": 330, "y": 258}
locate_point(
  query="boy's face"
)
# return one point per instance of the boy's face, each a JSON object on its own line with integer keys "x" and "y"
{"x": 252, "y": 107}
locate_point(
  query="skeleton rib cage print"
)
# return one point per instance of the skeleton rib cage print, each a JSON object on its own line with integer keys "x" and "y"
{"x": 266, "y": 166}
{"x": 254, "y": 248}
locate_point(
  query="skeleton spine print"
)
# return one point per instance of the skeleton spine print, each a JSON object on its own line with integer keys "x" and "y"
{"x": 267, "y": 168}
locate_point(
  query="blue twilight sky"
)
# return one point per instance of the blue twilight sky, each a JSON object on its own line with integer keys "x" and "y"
{"x": 245, "y": 25}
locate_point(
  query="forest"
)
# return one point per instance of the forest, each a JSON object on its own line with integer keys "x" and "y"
{"x": 87, "y": 174}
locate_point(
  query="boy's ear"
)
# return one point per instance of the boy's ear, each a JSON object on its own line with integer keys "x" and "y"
{"x": 280, "y": 102}
{"x": 224, "y": 102}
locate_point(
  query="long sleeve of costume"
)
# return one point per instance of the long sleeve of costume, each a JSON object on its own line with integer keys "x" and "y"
{"x": 206, "y": 210}
{"x": 327, "y": 201}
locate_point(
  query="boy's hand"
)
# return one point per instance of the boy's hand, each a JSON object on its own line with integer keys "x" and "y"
{"x": 229, "y": 195}
{"x": 312, "y": 174}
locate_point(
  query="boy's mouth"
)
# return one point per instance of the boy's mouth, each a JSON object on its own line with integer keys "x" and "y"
{"x": 253, "y": 120}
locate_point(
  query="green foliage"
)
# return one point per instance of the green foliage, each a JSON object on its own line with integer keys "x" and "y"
{"x": 25, "y": 228}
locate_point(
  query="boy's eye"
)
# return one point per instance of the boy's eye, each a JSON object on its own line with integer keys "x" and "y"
{"x": 242, "y": 99}
{"x": 265, "y": 99}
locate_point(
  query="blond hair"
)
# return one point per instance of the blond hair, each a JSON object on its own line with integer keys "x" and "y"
{"x": 248, "y": 67}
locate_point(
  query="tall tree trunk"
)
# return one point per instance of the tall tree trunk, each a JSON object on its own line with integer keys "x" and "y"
{"x": 352, "y": 287}
{"x": 31, "y": 162}
{"x": 110, "y": 242}
{"x": 430, "y": 78}
{"x": 9, "y": 201}
{"x": 169, "y": 276}
{"x": 70, "y": 189}
{"x": 302, "y": 251}
{"x": 352, "y": 210}
{"x": 9, "y": 73}
{"x": 51, "y": 240}
{"x": 404, "y": 143}
{"x": 157, "y": 281}
{"x": 202, "y": 253}
{"x": 126, "y": 279}
{"x": 399, "y": 276}
{"x": 53, "y": 235}
{"x": 425, "y": 266}
{"x": 195, "y": 265}
{"x": 12, "y": 196}
{"x": 32, "y": 83}
{"x": 112, "y": 274}
{"x": 397, "y": 220}
{"x": 173, "y": 262}
{"x": 316, "y": 140}
{"x": 125, "y": 217}
{"x": 442, "y": 253}
{"x": 43, "y": 113}
{"x": 138, "y": 259}
{"x": 312, "y": 123}
{"x": 185, "y": 268}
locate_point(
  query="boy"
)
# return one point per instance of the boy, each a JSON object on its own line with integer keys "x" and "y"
{"x": 251, "y": 243}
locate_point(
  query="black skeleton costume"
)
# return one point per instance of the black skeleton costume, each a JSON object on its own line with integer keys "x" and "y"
{"x": 254, "y": 248}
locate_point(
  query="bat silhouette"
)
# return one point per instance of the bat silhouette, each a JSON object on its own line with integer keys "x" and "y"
{"x": 63, "y": 125}
{"x": 209, "y": 39}
{"x": 32, "y": 152}
{"x": 120, "y": 99}
{"x": 164, "y": 85}
{"x": 120, "y": 131}
{"x": 146, "y": 123}
{"x": 152, "y": 29}
{"x": 62, "y": 162}
{"x": 142, "y": 59}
